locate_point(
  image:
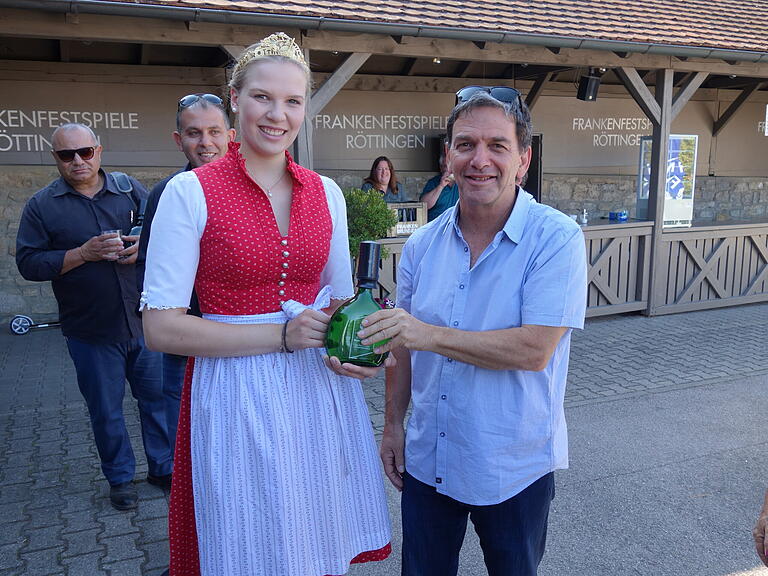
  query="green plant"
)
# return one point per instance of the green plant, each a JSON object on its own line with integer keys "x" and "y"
{"x": 368, "y": 217}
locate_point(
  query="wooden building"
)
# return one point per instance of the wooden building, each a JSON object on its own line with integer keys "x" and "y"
{"x": 385, "y": 75}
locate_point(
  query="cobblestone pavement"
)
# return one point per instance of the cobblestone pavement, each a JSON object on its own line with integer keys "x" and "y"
{"x": 55, "y": 517}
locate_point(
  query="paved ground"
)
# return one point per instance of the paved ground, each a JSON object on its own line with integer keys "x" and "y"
{"x": 667, "y": 433}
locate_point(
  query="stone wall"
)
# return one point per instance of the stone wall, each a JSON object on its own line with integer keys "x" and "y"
{"x": 718, "y": 199}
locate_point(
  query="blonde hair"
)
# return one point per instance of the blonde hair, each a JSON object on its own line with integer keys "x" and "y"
{"x": 278, "y": 47}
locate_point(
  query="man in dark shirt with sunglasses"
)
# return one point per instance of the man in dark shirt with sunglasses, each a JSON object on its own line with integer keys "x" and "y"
{"x": 203, "y": 134}
{"x": 63, "y": 239}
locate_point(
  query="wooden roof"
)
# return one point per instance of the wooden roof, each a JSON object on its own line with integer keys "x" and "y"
{"x": 723, "y": 25}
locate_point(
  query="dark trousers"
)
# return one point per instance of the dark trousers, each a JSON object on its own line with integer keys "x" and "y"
{"x": 512, "y": 533}
{"x": 173, "y": 381}
{"x": 102, "y": 370}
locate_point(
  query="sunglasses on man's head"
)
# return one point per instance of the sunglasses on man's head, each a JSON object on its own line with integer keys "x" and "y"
{"x": 69, "y": 155}
{"x": 191, "y": 99}
{"x": 500, "y": 93}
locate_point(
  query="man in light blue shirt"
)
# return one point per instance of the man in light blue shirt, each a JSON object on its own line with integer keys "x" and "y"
{"x": 487, "y": 296}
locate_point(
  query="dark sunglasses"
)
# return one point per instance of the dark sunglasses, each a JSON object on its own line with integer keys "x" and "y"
{"x": 69, "y": 155}
{"x": 190, "y": 99}
{"x": 500, "y": 93}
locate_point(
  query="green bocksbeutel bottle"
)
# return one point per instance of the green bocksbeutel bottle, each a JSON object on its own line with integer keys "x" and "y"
{"x": 341, "y": 339}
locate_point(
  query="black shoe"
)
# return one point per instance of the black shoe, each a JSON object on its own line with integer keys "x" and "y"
{"x": 123, "y": 496}
{"x": 163, "y": 481}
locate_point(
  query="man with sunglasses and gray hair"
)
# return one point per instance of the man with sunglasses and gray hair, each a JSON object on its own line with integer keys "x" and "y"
{"x": 71, "y": 234}
{"x": 203, "y": 133}
{"x": 487, "y": 296}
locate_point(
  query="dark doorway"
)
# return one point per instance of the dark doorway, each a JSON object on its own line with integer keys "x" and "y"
{"x": 533, "y": 183}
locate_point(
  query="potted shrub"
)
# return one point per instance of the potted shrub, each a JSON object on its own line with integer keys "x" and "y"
{"x": 368, "y": 218}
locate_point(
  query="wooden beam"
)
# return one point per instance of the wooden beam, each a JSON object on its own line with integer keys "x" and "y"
{"x": 538, "y": 87}
{"x": 302, "y": 146}
{"x": 145, "y": 50}
{"x": 111, "y": 28}
{"x": 658, "y": 184}
{"x": 182, "y": 76}
{"x": 336, "y": 82}
{"x": 105, "y": 28}
{"x": 409, "y": 65}
{"x": 639, "y": 91}
{"x": 463, "y": 68}
{"x": 687, "y": 90}
{"x": 233, "y": 50}
{"x": 64, "y": 46}
{"x": 733, "y": 108}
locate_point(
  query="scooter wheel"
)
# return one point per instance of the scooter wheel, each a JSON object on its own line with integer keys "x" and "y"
{"x": 21, "y": 324}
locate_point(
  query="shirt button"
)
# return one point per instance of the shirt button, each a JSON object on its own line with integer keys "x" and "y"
{"x": 442, "y": 434}
{"x": 438, "y": 480}
{"x": 282, "y": 302}
{"x": 283, "y": 275}
{"x": 461, "y": 286}
{"x": 450, "y": 359}
{"x": 443, "y": 397}
{"x": 466, "y": 249}
{"x": 281, "y": 283}
{"x": 284, "y": 242}
{"x": 286, "y": 254}
{"x": 285, "y": 264}
{"x": 455, "y": 323}
{"x": 281, "y": 292}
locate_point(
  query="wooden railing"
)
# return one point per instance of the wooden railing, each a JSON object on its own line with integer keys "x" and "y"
{"x": 699, "y": 268}
{"x": 618, "y": 257}
{"x": 618, "y": 267}
{"x": 388, "y": 272}
{"x": 711, "y": 267}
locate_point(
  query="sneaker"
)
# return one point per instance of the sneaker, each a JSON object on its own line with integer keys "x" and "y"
{"x": 123, "y": 496}
{"x": 163, "y": 481}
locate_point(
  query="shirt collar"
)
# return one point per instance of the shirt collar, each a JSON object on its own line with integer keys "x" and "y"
{"x": 62, "y": 187}
{"x": 514, "y": 225}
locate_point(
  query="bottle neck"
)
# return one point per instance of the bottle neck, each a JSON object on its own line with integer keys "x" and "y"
{"x": 366, "y": 284}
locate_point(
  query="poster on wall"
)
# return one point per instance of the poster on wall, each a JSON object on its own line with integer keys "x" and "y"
{"x": 133, "y": 122}
{"x": 680, "y": 179}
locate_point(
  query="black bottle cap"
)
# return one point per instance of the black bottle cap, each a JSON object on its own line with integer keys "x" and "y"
{"x": 368, "y": 264}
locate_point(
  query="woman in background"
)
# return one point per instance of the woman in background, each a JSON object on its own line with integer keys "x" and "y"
{"x": 384, "y": 179}
{"x": 277, "y": 472}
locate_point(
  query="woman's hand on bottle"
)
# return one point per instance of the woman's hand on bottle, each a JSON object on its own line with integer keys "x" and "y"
{"x": 355, "y": 371}
{"x": 307, "y": 330}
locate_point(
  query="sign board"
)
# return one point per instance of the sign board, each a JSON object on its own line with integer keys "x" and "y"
{"x": 680, "y": 179}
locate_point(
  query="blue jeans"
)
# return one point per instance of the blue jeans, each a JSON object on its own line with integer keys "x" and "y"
{"x": 512, "y": 533}
{"x": 173, "y": 381}
{"x": 102, "y": 370}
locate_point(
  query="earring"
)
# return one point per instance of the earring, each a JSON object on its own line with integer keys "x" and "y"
{"x": 234, "y": 108}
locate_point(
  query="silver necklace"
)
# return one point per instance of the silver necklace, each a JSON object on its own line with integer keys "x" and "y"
{"x": 268, "y": 189}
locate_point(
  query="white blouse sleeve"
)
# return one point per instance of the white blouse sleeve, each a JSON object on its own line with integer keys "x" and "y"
{"x": 338, "y": 270}
{"x": 174, "y": 244}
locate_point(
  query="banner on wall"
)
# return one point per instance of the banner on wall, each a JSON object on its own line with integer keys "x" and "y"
{"x": 680, "y": 179}
{"x": 133, "y": 123}
{"x": 765, "y": 123}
